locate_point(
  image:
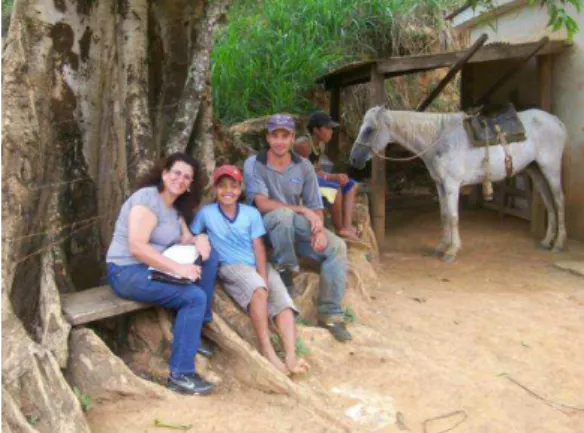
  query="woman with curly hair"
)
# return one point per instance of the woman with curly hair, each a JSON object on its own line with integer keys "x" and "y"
{"x": 154, "y": 217}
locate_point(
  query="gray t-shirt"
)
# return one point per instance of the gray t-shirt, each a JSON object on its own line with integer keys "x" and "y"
{"x": 297, "y": 181}
{"x": 166, "y": 232}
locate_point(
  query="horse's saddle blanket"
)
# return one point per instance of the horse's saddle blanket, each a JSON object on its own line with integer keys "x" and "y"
{"x": 481, "y": 126}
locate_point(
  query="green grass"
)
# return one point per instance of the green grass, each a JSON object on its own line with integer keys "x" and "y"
{"x": 349, "y": 315}
{"x": 301, "y": 348}
{"x": 268, "y": 55}
{"x": 84, "y": 399}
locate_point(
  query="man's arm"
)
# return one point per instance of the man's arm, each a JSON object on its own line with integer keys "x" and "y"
{"x": 259, "y": 250}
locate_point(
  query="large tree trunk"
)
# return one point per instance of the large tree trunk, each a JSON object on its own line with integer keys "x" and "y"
{"x": 85, "y": 85}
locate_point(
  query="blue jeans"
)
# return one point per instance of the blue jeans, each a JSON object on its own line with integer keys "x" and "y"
{"x": 192, "y": 302}
{"x": 289, "y": 234}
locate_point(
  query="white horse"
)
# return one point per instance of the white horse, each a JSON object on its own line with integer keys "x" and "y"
{"x": 444, "y": 146}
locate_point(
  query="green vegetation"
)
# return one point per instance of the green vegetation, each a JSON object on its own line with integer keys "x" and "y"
{"x": 349, "y": 316}
{"x": 559, "y": 15}
{"x": 84, "y": 399}
{"x": 269, "y": 54}
{"x": 301, "y": 348}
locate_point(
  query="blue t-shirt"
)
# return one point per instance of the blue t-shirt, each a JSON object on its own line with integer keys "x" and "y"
{"x": 232, "y": 239}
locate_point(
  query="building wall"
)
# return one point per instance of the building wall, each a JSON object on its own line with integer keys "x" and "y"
{"x": 522, "y": 23}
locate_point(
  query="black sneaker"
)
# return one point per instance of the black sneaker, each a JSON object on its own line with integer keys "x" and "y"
{"x": 189, "y": 384}
{"x": 338, "y": 329}
{"x": 206, "y": 348}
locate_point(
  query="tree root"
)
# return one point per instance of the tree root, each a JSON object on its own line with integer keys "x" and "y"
{"x": 257, "y": 372}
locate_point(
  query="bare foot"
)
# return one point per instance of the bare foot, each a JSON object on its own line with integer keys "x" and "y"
{"x": 276, "y": 362}
{"x": 297, "y": 365}
{"x": 348, "y": 234}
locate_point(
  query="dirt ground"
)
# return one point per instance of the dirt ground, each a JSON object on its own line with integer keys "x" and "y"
{"x": 493, "y": 343}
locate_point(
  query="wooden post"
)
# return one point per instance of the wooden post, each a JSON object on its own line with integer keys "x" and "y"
{"x": 378, "y": 182}
{"x": 452, "y": 72}
{"x": 538, "y": 211}
{"x": 335, "y": 112}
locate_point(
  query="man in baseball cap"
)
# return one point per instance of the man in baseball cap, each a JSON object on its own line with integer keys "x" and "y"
{"x": 284, "y": 188}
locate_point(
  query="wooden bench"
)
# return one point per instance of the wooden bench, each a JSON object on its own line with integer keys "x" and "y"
{"x": 95, "y": 304}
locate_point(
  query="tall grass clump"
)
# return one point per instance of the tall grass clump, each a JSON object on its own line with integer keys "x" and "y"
{"x": 270, "y": 52}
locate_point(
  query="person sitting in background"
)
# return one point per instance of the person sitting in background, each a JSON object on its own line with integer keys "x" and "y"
{"x": 153, "y": 218}
{"x": 338, "y": 191}
{"x": 236, "y": 232}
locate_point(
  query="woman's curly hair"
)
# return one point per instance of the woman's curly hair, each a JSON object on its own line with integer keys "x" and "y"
{"x": 188, "y": 201}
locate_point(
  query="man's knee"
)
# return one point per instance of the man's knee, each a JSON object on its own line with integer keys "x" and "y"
{"x": 336, "y": 246}
{"x": 279, "y": 217}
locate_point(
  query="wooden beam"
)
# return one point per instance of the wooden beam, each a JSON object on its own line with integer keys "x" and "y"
{"x": 538, "y": 211}
{"x": 335, "y": 112}
{"x": 453, "y": 71}
{"x": 378, "y": 181}
{"x": 498, "y": 51}
{"x": 457, "y": 11}
{"x": 344, "y": 78}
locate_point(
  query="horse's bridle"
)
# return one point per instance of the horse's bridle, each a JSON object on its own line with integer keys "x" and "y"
{"x": 387, "y": 158}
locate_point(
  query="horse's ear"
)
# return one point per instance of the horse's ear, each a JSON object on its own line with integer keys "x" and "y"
{"x": 386, "y": 106}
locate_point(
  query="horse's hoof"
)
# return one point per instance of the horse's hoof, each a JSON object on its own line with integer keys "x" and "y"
{"x": 448, "y": 258}
{"x": 557, "y": 249}
{"x": 545, "y": 246}
{"x": 436, "y": 252}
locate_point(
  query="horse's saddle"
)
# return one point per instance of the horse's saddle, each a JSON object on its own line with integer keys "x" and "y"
{"x": 486, "y": 124}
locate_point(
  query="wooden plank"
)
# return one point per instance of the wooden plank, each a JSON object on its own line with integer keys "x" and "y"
{"x": 497, "y": 51}
{"x": 335, "y": 112}
{"x": 453, "y": 71}
{"x": 538, "y": 211}
{"x": 95, "y": 304}
{"x": 378, "y": 181}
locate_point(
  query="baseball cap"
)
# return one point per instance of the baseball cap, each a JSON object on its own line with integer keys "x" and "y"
{"x": 226, "y": 170}
{"x": 281, "y": 121}
{"x": 320, "y": 118}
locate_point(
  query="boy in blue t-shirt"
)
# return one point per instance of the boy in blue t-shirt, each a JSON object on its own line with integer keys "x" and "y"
{"x": 235, "y": 231}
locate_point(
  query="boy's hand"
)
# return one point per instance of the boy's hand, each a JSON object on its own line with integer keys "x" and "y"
{"x": 342, "y": 178}
{"x": 318, "y": 242}
{"x": 203, "y": 246}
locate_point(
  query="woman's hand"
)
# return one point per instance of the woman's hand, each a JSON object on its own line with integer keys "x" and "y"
{"x": 203, "y": 246}
{"x": 187, "y": 239}
{"x": 190, "y": 272}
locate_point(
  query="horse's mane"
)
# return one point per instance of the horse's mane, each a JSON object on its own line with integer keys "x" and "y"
{"x": 410, "y": 124}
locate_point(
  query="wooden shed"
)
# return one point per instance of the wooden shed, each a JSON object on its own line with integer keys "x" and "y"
{"x": 375, "y": 72}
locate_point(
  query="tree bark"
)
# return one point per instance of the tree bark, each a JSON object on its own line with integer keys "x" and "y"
{"x": 196, "y": 86}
